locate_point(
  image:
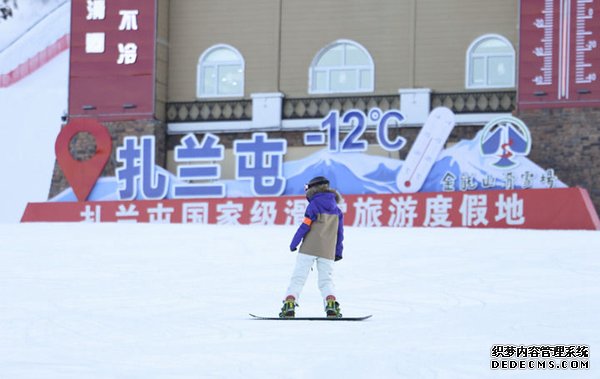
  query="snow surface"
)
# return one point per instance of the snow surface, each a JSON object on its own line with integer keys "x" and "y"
{"x": 31, "y": 111}
{"x": 172, "y": 301}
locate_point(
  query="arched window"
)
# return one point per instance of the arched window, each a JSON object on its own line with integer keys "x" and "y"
{"x": 343, "y": 66}
{"x": 490, "y": 63}
{"x": 220, "y": 73}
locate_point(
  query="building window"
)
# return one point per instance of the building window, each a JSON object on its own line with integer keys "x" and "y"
{"x": 490, "y": 63}
{"x": 220, "y": 73}
{"x": 343, "y": 66}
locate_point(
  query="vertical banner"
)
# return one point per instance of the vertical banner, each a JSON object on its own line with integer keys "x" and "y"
{"x": 559, "y": 56}
{"x": 111, "y": 74}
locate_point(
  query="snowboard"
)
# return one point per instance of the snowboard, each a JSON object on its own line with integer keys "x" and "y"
{"x": 360, "y": 318}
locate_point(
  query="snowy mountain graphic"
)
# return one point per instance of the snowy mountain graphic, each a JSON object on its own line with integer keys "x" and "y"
{"x": 465, "y": 158}
{"x": 349, "y": 173}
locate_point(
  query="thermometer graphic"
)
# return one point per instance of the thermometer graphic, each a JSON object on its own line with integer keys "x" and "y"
{"x": 560, "y": 53}
{"x": 585, "y": 42}
{"x": 545, "y": 51}
{"x": 424, "y": 152}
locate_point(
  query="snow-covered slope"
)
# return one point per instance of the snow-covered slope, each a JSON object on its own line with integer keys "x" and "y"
{"x": 172, "y": 301}
{"x": 26, "y": 16}
{"x": 30, "y": 120}
{"x": 43, "y": 26}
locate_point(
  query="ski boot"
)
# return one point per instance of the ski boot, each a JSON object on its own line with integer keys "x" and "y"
{"x": 332, "y": 307}
{"x": 288, "y": 309}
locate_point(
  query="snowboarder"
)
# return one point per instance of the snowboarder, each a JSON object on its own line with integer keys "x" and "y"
{"x": 321, "y": 233}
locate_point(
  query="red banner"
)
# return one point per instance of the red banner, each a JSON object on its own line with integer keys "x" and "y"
{"x": 112, "y": 59}
{"x": 563, "y": 208}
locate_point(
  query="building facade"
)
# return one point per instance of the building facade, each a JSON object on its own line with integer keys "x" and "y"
{"x": 234, "y": 67}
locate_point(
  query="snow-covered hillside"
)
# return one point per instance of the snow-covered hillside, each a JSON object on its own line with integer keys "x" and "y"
{"x": 31, "y": 109}
{"x": 26, "y": 15}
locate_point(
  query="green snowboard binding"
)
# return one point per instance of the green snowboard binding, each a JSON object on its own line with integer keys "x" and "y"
{"x": 289, "y": 308}
{"x": 332, "y": 307}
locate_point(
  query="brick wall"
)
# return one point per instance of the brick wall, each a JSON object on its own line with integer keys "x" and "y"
{"x": 567, "y": 140}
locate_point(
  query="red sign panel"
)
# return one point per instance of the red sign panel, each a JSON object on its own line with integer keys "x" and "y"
{"x": 112, "y": 59}
{"x": 559, "y": 56}
{"x": 561, "y": 208}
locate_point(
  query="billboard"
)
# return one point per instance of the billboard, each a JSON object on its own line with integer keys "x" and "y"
{"x": 112, "y": 58}
{"x": 495, "y": 159}
{"x": 487, "y": 181}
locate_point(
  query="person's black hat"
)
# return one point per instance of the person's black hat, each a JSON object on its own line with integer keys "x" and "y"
{"x": 318, "y": 180}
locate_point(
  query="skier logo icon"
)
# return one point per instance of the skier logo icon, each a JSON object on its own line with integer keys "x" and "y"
{"x": 506, "y": 138}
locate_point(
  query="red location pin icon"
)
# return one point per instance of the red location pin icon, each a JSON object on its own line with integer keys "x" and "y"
{"x": 82, "y": 175}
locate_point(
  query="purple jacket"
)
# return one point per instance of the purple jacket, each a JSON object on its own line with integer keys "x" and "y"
{"x": 322, "y": 231}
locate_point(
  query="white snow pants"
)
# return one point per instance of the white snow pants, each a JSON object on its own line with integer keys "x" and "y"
{"x": 325, "y": 271}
